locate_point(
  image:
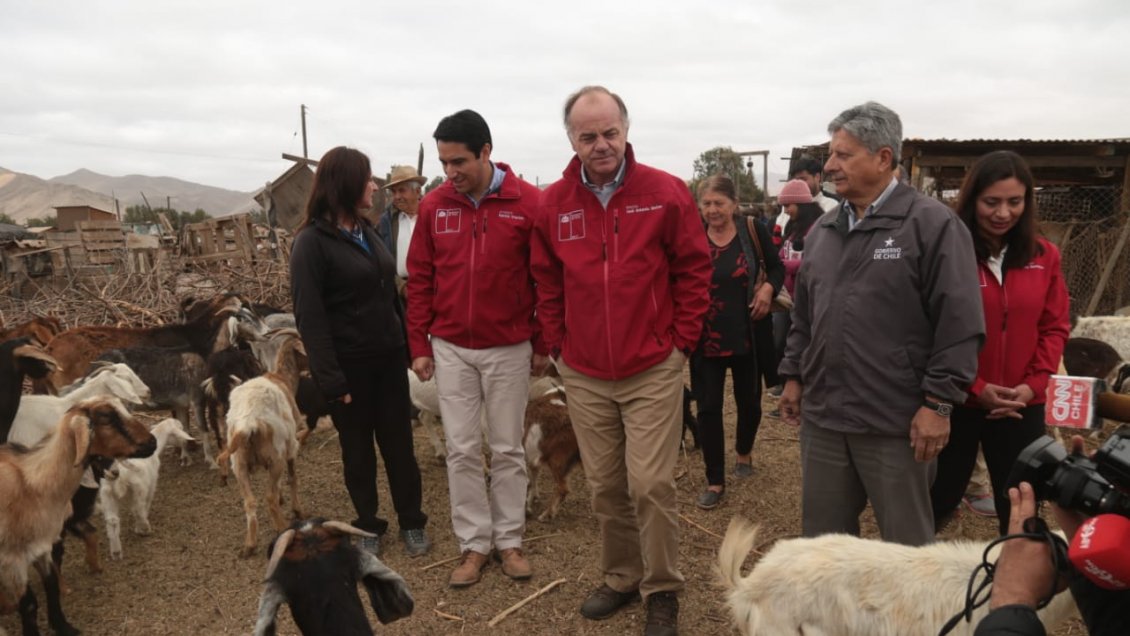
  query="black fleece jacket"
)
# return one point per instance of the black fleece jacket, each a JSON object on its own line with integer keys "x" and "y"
{"x": 345, "y": 301}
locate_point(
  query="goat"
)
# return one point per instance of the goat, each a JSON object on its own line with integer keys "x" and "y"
{"x": 315, "y": 569}
{"x": 38, "y": 415}
{"x": 425, "y": 398}
{"x": 173, "y": 377}
{"x": 19, "y": 358}
{"x": 311, "y": 402}
{"x": 226, "y": 369}
{"x": 137, "y": 478}
{"x": 1092, "y": 358}
{"x": 36, "y": 486}
{"x": 41, "y": 329}
{"x": 548, "y": 439}
{"x": 76, "y": 348}
{"x": 1113, "y": 330}
{"x": 690, "y": 422}
{"x": 840, "y": 584}
{"x": 262, "y": 430}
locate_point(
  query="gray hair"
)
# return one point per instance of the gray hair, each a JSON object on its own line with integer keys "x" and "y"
{"x": 585, "y": 90}
{"x": 874, "y": 125}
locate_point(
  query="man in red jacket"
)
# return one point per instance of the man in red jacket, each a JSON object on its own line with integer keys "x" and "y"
{"x": 470, "y": 289}
{"x": 622, "y": 271}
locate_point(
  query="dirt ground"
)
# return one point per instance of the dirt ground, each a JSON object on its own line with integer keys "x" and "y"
{"x": 186, "y": 578}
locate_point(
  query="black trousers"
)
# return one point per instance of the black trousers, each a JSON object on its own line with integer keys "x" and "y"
{"x": 708, "y": 380}
{"x": 1001, "y": 441}
{"x": 378, "y": 388}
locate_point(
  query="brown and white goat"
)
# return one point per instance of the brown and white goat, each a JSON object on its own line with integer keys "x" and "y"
{"x": 36, "y": 487}
{"x": 315, "y": 569}
{"x": 76, "y": 348}
{"x": 262, "y": 431}
{"x": 840, "y": 584}
{"x": 549, "y": 440}
{"x": 41, "y": 329}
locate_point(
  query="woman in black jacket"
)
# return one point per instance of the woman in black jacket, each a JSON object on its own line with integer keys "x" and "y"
{"x": 736, "y": 334}
{"x": 352, "y": 324}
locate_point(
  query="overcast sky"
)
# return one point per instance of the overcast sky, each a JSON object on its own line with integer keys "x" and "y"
{"x": 210, "y": 91}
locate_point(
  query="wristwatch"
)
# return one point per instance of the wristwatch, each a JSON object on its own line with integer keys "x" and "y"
{"x": 945, "y": 409}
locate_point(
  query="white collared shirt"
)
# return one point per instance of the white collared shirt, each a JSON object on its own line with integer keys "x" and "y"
{"x": 871, "y": 209}
{"x": 405, "y": 225}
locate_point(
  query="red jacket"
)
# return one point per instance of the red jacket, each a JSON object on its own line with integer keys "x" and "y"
{"x": 469, "y": 269}
{"x": 618, "y": 289}
{"x": 1026, "y": 324}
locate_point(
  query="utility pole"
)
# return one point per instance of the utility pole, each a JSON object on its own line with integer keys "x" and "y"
{"x": 305, "y": 155}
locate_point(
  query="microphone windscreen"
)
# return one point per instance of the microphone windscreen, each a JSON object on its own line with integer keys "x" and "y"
{"x": 1114, "y": 406}
{"x": 1101, "y": 551}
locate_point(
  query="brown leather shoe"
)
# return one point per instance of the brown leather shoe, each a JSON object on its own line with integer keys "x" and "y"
{"x": 470, "y": 569}
{"x": 514, "y": 564}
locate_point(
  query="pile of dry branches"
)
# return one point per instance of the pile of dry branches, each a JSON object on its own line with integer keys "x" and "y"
{"x": 138, "y": 299}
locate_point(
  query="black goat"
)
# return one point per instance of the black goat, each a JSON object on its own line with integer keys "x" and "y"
{"x": 19, "y": 357}
{"x": 1090, "y": 358}
{"x": 690, "y": 422}
{"x": 226, "y": 369}
{"x": 311, "y": 402}
{"x": 315, "y": 569}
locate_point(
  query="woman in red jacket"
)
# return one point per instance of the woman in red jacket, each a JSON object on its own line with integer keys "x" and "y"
{"x": 1026, "y": 326}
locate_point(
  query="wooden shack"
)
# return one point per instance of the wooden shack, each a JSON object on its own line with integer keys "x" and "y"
{"x": 68, "y": 216}
{"x": 284, "y": 199}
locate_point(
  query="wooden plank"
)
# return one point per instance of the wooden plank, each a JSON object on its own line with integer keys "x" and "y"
{"x": 951, "y": 161}
{"x": 1110, "y": 263}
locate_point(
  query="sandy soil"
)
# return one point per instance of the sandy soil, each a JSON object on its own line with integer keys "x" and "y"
{"x": 186, "y": 578}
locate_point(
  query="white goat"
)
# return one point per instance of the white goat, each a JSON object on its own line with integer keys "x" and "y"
{"x": 840, "y": 584}
{"x": 38, "y": 415}
{"x": 137, "y": 478}
{"x": 262, "y": 430}
{"x": 36, "y": 487}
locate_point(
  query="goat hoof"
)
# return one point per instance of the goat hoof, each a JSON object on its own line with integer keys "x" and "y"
{"x": 247, "y": 552}
{"x": 143, "y": 531}
{"x": 115, "y": 556}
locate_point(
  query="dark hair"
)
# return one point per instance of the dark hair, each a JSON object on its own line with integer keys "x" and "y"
{"x": 989, "y": 169}
{"x": 585, "y": 90}
{"x": 806, "y": 163}
{"x": 796, "y": 229}
{"x": 719, "y": 183}
{"x": 339, "y": 183}
{"x": 465, "y": 127}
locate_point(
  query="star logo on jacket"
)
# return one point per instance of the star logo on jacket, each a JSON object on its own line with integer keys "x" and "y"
{"x": 888, "y": 252}
{"x": 447, "y": 221}
{"x": 571, "y": 226}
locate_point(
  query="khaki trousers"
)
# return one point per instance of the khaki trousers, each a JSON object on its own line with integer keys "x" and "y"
{"x": 628, "y": 433}
{"x": 496, "y": 379}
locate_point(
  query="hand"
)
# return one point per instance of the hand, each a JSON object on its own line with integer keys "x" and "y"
{"x": 538, "y": 364}
{"x": 1024, "y": 571}
{"x": 424, "y": 367}
{"x": 1070, "y": 520}
{"x": 1001, "y": 401}
{"x": 345, "y": 399}
{"x": 789, "y": 404}
{"x": 929, "y": 434}
{"x": 762, "y": 299}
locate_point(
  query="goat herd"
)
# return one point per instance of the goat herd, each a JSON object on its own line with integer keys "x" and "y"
{"x": 237, "y": 371}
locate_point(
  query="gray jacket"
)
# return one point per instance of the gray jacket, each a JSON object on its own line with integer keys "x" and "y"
{"x": 884, "y": 315}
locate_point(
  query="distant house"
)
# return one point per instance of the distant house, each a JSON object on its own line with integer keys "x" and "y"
{"x": 67, "y": 216}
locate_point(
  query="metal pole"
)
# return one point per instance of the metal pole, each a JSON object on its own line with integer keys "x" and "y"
{"x": 305, "y": 155}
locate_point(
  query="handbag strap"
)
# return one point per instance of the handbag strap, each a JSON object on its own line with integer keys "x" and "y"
{"x": 753, "y": 238}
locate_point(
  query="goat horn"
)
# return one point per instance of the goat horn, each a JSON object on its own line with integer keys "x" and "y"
{"x": 281, "y": 544}
{"x": 347, "y": 529}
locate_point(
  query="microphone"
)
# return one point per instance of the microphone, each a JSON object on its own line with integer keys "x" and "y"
{"x": 1101, "y": 551}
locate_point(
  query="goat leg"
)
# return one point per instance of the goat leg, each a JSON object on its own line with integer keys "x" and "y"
{"x": 55, "y": 617}
{"x": 29, "y": 609}
{"x": 292, "y": 480}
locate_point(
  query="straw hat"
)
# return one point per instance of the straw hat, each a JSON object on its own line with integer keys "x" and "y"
{"x": 401, "y": 174}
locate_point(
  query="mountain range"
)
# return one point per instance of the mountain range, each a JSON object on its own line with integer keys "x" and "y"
{"x": 24, "y": 196}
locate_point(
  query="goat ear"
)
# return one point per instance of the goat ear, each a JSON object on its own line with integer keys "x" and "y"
{"x": 388, "y": 593}
{"x": 35, "y": 352}
{"x": 269, "y": 603}
{"x": 79, "y": 426}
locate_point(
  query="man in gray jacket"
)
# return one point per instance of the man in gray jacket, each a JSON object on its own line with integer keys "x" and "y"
{"x": 886, "y": 328}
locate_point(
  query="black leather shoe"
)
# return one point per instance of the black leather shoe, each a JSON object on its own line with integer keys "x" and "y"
{"x": 662, "y": 615}
{"x": 604, "y": 601}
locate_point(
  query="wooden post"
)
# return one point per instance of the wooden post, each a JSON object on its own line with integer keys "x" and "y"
{"x": 1110, "y": 263}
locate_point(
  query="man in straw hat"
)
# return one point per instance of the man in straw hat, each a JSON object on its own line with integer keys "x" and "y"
{"x": 396, "y": 225}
